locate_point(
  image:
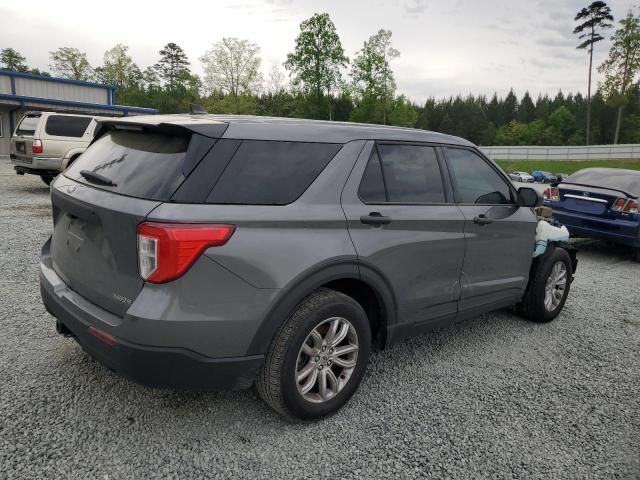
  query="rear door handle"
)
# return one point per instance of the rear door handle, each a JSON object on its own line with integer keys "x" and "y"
{"x": 375, "y": 218}
{"x": 482, "y": 219}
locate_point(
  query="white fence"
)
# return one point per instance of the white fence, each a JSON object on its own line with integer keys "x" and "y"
{"x": 595, "y": 152}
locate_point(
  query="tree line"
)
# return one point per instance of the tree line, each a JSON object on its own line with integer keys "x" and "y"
{"x": 318, "y": 80}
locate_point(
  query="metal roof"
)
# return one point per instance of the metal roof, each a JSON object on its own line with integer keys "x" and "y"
{"x": 292, "y": 129}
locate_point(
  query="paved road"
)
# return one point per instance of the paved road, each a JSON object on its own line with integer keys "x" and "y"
{"x": 494, "y": 397}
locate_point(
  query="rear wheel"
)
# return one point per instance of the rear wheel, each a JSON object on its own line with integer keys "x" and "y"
{"x": 548, "y": 288}
{"x": 318, "y": 358}
{"x": 47, "y": 179}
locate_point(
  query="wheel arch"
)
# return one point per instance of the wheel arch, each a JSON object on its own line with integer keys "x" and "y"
{"x": 363, "y": 285}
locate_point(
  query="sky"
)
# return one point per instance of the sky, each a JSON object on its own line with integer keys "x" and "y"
{"x": 447, "y": 47}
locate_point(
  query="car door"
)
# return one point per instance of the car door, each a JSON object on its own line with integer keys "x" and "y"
{"x": 406, "y": 229}
{"x": 499, "y": 234}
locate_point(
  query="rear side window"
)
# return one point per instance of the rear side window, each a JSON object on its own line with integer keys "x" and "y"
{"x": 475, "y": 181}
{"x": 28, "y": 125}
{"x": 271, "y": 172}
{"x": 66, "y": 126}
{"x": 141, "y": 164}
{"x": 402, "y": 174}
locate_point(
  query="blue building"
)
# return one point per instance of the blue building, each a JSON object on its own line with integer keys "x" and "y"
{"x": 21, "y": 92}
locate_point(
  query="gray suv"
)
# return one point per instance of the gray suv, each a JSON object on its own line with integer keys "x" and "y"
{"x": 214, "y": 252}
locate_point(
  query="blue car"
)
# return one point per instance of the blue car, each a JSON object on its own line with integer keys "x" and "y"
{"x": 540, "y": 176}
{"x": 599, "y": 203}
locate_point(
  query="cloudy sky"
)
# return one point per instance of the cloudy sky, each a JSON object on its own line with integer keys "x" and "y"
{"x": 447, "y": 46}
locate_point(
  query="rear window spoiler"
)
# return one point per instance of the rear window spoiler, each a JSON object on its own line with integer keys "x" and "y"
{"x": 211, "y": 130}
{"x": 630, "y": 195}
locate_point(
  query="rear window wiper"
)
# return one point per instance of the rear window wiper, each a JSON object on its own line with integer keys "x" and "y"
{"x": 97, "y": 178}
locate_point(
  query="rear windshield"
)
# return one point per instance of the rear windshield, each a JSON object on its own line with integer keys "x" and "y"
{"x": 28, "y": 125}
{"x": 271, "y": 172}
{"x": 66, "y": 126}
{"x": 143, "y": 165}
{"x": 625, "y": 180}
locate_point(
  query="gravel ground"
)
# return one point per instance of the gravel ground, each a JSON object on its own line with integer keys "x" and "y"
{"x": 495, "y": 397}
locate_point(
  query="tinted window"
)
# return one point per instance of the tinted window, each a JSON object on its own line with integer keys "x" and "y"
{"x": 143, "y": 165}
{"x": 271, "y": 173}
{"x": 65, "y": 126}
{"x": 475, "y": 181}
{"x": 28, "y": 125}
{"x": 372, "y": 185}
{"x": 411, "y": 173}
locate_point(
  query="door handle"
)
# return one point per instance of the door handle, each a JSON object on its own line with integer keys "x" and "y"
{"x": 375, "y": 218}
{"x": 482, "y": 219}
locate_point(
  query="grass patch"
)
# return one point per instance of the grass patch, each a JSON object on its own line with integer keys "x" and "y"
{"x": 564, "y": 166}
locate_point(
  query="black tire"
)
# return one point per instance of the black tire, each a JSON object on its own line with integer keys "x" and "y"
{"x": 47, "y": 179}
{"x": 276, "y": 381}
{"x": 532, "y": 306}
{"x": 636, "y": 254}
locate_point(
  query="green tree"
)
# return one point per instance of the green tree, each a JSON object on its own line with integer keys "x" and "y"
{"x": 118, "y": 68}
{"x": 510, "y": 107}
{"x": 233, "y": 67}
{"x": 402, "y": 113}
{"x": 526, "y": 109}
{"x": 173, "y": 67}
{"x": 622, "y": 66}
{"x": 69, "y": 62}
{"x": 595, "y": 18}
{"x": 318, "y": 57}
{"x": 10, "y": 59}
{"x": 563, "y": 123}
{"x": 372, "y": 75}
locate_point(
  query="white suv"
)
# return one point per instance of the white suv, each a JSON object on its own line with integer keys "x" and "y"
{"x": 45, "y": 143}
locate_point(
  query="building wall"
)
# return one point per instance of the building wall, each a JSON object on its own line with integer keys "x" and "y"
{"x": 5, "y": 133}
{"x": 61, "y": 91}
{"x": 54, "y": 88}
{"x": 5, "y": 84}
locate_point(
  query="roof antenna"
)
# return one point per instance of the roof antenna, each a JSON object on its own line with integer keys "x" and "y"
{"x": 197, "y": 109}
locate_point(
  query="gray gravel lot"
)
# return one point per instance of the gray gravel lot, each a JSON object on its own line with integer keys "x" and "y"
{"x": 495, "y": 397}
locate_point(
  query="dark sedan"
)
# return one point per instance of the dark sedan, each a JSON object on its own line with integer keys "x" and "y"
{"x": 599, "y": 203}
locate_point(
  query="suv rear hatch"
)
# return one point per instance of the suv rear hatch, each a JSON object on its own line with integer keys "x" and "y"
{"x": 100, "y": 200}
{"x": 22, "y": 141}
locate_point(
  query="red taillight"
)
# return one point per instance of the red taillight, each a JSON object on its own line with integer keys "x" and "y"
{"x": 552, "y": 194}
{"x": 36, "y": 146}
{"x": 167, "y": 250}
{"x": 631, "y": 207}
{"x": 625, "y": 205}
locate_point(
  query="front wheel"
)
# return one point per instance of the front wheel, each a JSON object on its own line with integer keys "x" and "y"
{"x": 318, "y": 358}
{"x": 548, "y": 288}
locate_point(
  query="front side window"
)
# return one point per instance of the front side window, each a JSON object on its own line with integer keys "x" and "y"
{"x": 67, "y": 126}
{"x": 402, "y": 174}
{"x": 475, "y": 181}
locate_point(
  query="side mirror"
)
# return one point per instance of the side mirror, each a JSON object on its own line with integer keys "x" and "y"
{"x": 528, "y": 197}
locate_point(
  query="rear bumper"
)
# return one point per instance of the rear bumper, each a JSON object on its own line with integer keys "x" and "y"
{"x": 152, "y": 366}
{"x": 589, "y": 227}
{"x": 36, "y": 165}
